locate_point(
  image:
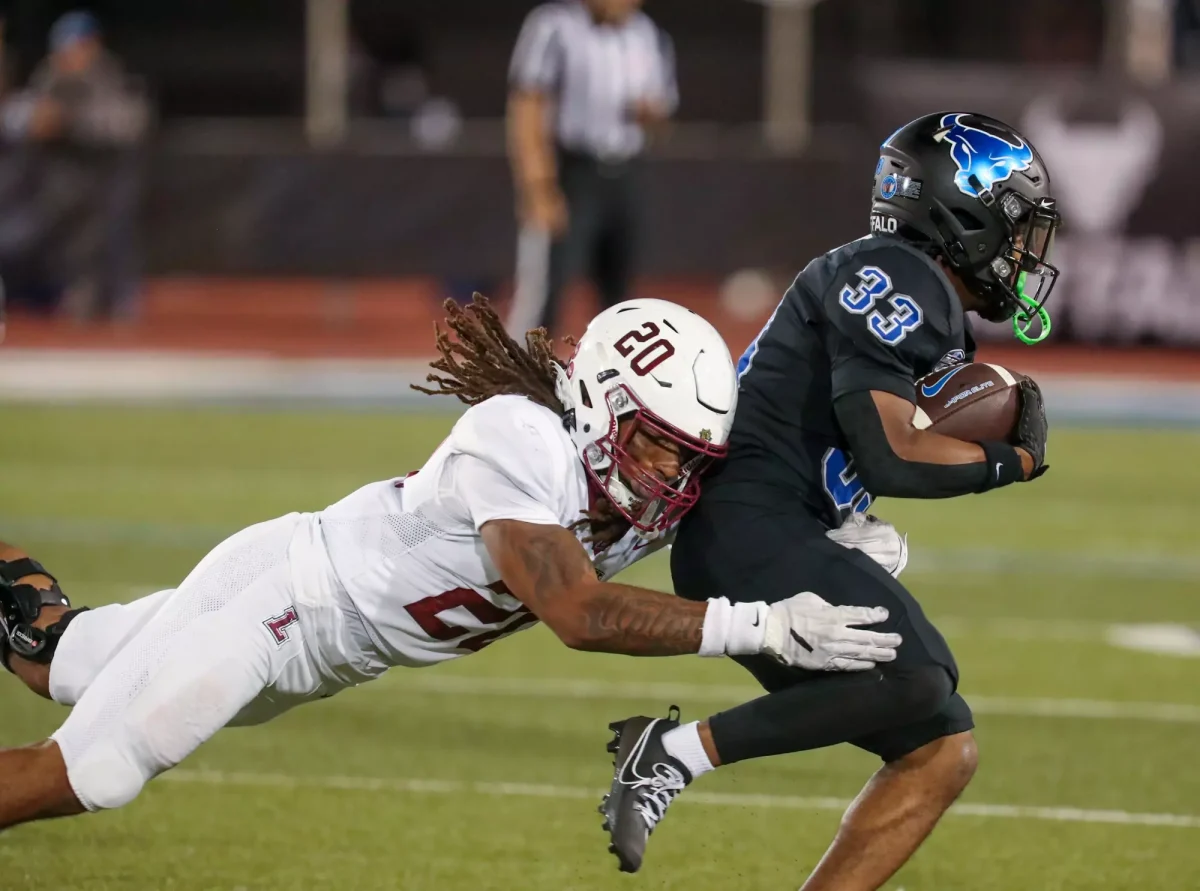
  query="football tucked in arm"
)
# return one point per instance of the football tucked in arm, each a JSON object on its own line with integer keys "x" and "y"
{"x": 975, "y": 402}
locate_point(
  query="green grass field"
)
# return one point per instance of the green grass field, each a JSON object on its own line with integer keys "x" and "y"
{"x": 441, "y": 779}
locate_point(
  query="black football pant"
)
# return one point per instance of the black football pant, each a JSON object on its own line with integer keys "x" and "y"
{"x": 603, "y": 207}
{"x": 750, "y": 544}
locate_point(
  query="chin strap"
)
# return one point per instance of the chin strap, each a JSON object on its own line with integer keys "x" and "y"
{"x": 20, "y": 606}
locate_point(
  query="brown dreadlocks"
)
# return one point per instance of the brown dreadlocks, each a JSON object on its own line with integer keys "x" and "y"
{"x": 483, "y": 361}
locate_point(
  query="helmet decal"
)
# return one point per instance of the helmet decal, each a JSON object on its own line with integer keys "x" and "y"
{"x": 935, "y": 190}
{"x": 986, "y": 156}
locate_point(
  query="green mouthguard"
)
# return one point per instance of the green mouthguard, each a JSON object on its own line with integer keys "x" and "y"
{"x": 1023, "y": 321}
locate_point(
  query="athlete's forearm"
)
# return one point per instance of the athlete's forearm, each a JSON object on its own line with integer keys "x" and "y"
{"x": 531, "y": 152}
{"x": 547, "y": 569}
{"x": 927, "y": 447}
{"x": 639, "y": 622}
{"x": 903, "y": 462}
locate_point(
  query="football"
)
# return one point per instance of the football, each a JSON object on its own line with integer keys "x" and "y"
{"x": 974, "y": 402}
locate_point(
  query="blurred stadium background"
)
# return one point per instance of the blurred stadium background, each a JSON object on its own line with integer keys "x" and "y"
{"x": 254, "y": 238}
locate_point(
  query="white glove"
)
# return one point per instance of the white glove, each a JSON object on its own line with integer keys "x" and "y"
{"x": 876, "y": 538}
{"x": 804, "y": 631}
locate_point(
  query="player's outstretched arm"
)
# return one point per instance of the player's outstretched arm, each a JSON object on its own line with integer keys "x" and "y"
{"x": 547, "y": 569}
{"x": 894, "y": 458}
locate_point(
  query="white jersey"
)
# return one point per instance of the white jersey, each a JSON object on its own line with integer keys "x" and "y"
{"x": 302, "y": 606}
{"x": 408, "y": 551}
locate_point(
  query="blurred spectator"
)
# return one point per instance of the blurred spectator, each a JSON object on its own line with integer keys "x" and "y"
{"x": 70, "y": 194}
{"x": 1064, "y": 32}
{"x": 1187, "y": 34}
{"x": 588, "y": 79}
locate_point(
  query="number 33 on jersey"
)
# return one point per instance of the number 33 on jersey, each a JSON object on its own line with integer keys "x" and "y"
{"x": 875, "y": 285}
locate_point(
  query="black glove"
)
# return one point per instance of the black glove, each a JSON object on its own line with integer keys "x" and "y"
{"x": 1032, "y": 428}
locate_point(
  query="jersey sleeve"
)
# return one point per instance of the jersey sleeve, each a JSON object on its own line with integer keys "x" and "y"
{"x": 490, "y": 495}
{"x": 538, "y": 56}
{"x": 889, "y": 315}
{"x": 510, "y": 463}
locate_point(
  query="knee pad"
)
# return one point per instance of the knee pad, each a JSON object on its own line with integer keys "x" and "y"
{"x": 105, "y": 777}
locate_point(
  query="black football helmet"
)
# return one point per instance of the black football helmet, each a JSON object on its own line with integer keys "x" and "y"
{"x": 972, "y": 191}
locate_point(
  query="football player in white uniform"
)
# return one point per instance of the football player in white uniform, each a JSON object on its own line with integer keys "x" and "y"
{"x": 555, "y": 479}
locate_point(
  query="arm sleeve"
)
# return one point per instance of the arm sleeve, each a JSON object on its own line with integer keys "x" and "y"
{"x": 889, "y": 314}
{"x": 885, "y": 473}
{"x": 538, "y": 56}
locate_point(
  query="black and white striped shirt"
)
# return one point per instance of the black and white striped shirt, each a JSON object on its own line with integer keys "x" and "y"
{"x": 595, "y": 73}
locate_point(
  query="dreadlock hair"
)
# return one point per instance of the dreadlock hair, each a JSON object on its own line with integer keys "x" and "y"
{"x": 483, "y": 361}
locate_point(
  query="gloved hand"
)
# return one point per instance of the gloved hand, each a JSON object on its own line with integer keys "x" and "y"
{"x": 1032, "y": 427}
{"x": 876, "y": 538}
{"x": 804, "y": 631}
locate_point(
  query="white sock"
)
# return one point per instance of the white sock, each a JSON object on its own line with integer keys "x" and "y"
{"x": 683, "y": 744}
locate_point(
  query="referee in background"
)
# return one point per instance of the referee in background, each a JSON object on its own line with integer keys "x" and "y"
{"x": 589, "y": 79}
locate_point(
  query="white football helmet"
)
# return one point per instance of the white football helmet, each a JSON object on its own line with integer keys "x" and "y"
{"x": 666, "y": 371}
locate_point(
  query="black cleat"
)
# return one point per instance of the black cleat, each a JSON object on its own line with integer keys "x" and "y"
{"x": 645, "y": 782}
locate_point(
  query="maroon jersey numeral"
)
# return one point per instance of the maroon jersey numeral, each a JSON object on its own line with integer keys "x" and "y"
{"x": 425, "y": 613}
{"x": 651, "y": 356}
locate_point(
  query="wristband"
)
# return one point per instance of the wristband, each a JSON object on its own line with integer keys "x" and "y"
{"x": 736, "y": 629}
{"x": 1003, "y": 465}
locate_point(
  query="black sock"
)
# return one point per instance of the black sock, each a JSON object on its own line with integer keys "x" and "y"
{"x": 823, "y": 710}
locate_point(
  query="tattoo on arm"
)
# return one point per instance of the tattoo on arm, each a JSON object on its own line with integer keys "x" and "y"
{"x": 640, "y": 622}
{"x": 549, "y": 571}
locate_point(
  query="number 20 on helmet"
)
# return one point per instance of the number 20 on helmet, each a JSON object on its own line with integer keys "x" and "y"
{"x": 665, "y": 371}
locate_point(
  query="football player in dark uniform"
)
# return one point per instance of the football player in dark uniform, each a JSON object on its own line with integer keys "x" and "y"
{"x": 962, "y": 220}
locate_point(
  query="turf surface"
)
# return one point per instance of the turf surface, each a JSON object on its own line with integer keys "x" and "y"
{"x": 480, "y": 774}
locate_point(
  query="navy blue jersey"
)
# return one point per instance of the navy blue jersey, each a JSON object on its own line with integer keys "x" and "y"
{"x": 875, "y": 314}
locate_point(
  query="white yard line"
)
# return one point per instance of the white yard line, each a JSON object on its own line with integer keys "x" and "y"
{"x": 946, "y": 561}
{"x": 712, "y": 799}
{"x": 563, "y": 688}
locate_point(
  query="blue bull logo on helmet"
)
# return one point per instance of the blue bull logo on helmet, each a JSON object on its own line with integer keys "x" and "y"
{"x": 985, "y": 155}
